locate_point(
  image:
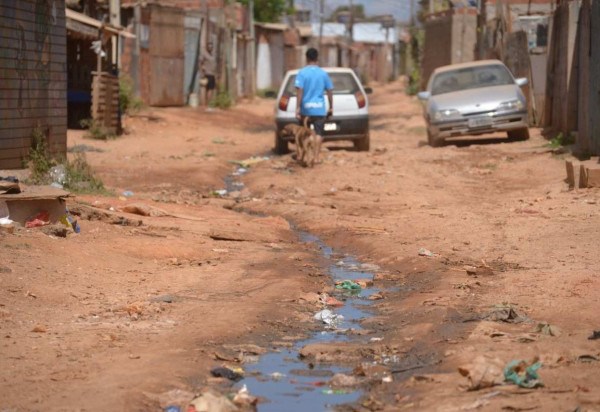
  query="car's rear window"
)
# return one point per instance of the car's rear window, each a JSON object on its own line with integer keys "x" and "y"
{"x": 343, "y": 83}
{"x": 470, "y": 78}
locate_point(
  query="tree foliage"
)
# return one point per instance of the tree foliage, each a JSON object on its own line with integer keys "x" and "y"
{"x": 269, "y": 11}
{"x": 358, "y": 12}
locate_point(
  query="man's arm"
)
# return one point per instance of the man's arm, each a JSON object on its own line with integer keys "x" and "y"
{"x": 299, "y": 94}
{"x": 330, "y": 99}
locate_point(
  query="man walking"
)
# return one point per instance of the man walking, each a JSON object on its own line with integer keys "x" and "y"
{"x": 311, "y": 82}
{"x": 208, "y": 65}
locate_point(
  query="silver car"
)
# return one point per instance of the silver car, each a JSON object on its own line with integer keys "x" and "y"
{"x": 350, "y": 120}
{"x": 473, "y": 99}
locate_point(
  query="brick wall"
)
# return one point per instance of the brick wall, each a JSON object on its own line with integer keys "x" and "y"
{"x": 33, "y": 77}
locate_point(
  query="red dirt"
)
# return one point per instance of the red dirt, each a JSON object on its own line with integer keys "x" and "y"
{"x": 85, "y": 325}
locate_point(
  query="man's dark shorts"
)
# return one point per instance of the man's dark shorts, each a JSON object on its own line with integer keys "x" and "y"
{"x": 212, "y": 83}
{"x": 318, "y": 123}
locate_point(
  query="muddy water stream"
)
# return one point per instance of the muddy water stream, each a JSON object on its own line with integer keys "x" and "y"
{"x": 284, "y": 380}
{"x": 290, "y": 384}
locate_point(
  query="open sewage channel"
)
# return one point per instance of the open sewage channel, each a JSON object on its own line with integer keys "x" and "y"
{"x": 281, "y": 379}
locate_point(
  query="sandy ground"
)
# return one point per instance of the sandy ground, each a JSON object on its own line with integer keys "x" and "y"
{"x": 136, "y": 306}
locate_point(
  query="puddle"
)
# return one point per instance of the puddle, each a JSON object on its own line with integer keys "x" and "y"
{"x": 288, "y": 383}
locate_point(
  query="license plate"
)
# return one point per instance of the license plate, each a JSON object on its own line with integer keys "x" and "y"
{"x": 330, "y": 127}
{"x": 480, "y": 122}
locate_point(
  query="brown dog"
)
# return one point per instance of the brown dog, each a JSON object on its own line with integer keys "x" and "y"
{"x": 307, "y": 143}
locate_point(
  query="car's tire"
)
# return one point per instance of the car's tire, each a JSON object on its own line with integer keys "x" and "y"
{"x": 434, "y": 141}
{"x": 519, "y": 134}
{"x": 281, "y": 146}
{"x": 363, "y": 144}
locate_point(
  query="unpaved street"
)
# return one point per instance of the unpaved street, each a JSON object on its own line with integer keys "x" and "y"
{"x": 132, "y": 308}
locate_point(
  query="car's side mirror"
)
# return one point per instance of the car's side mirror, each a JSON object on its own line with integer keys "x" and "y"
{"x": 522, "y": 81}
{"x": 368, "y": 90}
{"x": 424, "y": 95}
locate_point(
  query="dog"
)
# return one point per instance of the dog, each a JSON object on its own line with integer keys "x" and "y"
{"x": 308, "y": 144}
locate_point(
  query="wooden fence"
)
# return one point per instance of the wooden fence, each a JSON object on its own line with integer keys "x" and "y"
{"x": 573, "y": 88}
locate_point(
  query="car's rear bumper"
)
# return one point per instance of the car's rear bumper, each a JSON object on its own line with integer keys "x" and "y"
{"x": 499, "y": 123}
{"x": 347, "y": 127}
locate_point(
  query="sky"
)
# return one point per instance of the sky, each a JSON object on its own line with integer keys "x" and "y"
{"x": 399, "y": 8}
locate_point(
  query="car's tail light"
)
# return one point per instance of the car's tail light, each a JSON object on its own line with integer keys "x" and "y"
{"x": 283, "y": 102}
{"x": 360, "y": 99}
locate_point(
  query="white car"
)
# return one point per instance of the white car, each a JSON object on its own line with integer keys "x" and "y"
{"x": 350, "y": 120}
{"x": 474, "y": 98}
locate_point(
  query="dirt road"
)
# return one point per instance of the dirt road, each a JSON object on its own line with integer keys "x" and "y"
{"x": 457, "y": 238}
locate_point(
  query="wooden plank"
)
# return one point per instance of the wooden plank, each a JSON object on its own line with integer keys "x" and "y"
{"x": 570, "y": 174}
{"x": 592, "y": 177}
{"x": 582, "y": 177}
{"x": 14, "y": 163}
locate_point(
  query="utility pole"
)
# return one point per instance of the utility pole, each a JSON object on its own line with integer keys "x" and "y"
{"x": 252, "y": 48}
{"x": 114, "y": 9}
{"x": 350, "y": 34}
{"x": 135, "y": 60}
{"x": 321, "y": 18}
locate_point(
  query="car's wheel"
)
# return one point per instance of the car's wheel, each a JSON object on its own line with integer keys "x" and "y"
{"x": 281, "y": 146}
{"x": 434, "y": 141}
{"x": 519, "y": 134}
{"x": 363, "y": 144}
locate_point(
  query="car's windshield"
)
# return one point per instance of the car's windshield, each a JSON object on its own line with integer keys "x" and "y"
{"x": 470, "y": 78}
{"x": 343, "y": 83}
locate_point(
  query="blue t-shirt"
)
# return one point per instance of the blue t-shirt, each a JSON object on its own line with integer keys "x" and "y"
{"x": 313, "y": 81}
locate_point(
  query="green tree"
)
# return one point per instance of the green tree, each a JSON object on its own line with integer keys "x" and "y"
{"x": 269, "y": 11}
{"x": 358, "y": 12}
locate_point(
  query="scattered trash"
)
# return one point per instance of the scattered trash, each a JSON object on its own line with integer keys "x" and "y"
{"x": 41, "y": 219}
{"x": 505, "y": 313}
{"x": 523, "y": 374}
{"x": 219, "y": 192}
{"x": 595, "y": 335}
{"x": 68, "y": 220}
{"x": 174, "y": 400}
{"x": 240, "y": 171}
{"x": 246, "y": 163}
{"x": 127, "y": 193}
{"x": 348, "y": 285}
{"x": 425, "y": 252}
{"x": 9, "y": 185}
{"x": 482, "y": 373}
{"x": 58, "y": 174}
{"x": 547, "y": 329}
{"x": 210, "y": 402}
{"x": 223, "y": 372}
{"x": 335, "y": 391}
{"x": 277, "y": 376}
{"x": 328, "y": 317}
{"x": 5, "y": 221}
{"x": 243, "y": 397}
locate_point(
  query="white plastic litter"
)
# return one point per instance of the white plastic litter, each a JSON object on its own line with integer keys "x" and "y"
{"x": 329, "y": 318}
